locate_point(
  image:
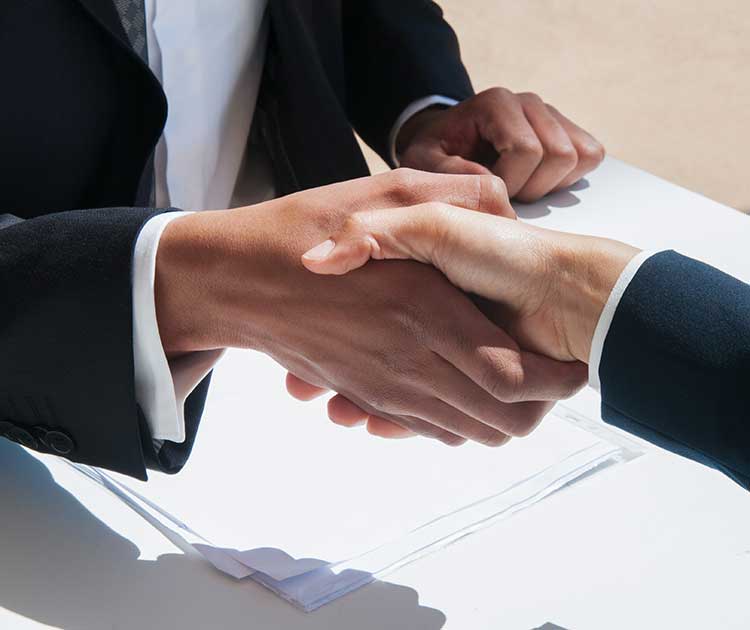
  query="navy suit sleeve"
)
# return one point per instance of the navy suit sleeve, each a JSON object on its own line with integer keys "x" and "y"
{"x": 675, "y": 365}
{"x": 395, "y": 54}
{"x": 66, "y": 350}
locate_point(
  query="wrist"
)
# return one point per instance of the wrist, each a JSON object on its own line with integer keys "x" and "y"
{"x": 588, "y": 270}
{"x": 190, "y": 289}
{"x": 224, "y": 276}
{"x": 414, "y": 125}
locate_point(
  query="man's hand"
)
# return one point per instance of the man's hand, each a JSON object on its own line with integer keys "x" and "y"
{"x": 518, "y": 137}
{"x": 395, "y": 339}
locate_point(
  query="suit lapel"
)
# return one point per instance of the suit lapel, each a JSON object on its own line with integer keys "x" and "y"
{"x": 104, "y": 12}
{"x": 125, "y": 22}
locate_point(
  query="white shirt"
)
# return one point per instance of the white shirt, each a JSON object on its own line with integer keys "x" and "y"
{"x": 209, "y": 58}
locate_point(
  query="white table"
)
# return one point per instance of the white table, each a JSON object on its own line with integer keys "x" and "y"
{"x": 659, "y": 543}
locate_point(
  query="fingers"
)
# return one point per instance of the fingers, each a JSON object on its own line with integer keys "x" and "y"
{"x": 436, "y": 160}
{"x": 452, "y": 239}
{"x": 343, "y": 412}
{"x": 504, "y": 124}
{"x": 493, "y": 360}
{"x": 464, "y": 395}
{"x": 518, "y": 137}
{"x": 589, "y": 150}
{"x": 347, "y": 252}
{"x": 559, "y": 154}
{"x": 391, "y": 233}
{"x": 454, "y": 421}
{"x": 538, "y": 149}
{"x": 302, "y": 390}
{"x": 456, "y": 408}
{"x": 387, "y": 429}
{"x": 482, "y": 192}
{"x": 408, "y": 423}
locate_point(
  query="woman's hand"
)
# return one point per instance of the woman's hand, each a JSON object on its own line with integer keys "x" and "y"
{"x": 546, "y": 288}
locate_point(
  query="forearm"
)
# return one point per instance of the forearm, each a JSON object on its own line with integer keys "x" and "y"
{"x": 216, "y": 279}
{"x": 675, "y": 362}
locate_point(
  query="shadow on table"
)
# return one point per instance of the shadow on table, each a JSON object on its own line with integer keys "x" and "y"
{"x": 61, "y": 566}
{"x": 560, "y": 199}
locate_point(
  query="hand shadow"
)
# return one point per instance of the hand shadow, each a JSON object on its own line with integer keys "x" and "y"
{"x": 560, "y": 199}
{"x": 61, "y": 566}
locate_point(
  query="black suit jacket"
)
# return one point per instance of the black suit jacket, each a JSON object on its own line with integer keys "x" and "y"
{"x": 675, "y": 366}
{"x": 79, "y": 119}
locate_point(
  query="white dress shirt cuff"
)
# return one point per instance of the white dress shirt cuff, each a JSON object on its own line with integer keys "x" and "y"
{"x": 413, "y": 109}
{"x": 161, "y": 387}
{"x": 605, "y": 319}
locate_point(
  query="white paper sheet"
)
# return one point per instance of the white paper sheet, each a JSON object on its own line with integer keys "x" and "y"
{"x": 270, "y": 473}
{"x": 315, "y": 583}
{"x": 275, "y": 492}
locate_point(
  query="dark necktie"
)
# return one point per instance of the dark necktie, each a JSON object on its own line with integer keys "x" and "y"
{"x": 133, "y": 18}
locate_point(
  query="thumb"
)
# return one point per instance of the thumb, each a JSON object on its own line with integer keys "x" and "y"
{"x": 390, "y": 233}
{"x": 338, "y": 258}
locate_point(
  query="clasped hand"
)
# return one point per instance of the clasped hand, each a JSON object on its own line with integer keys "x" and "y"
{"x": 402, "y": 343}
{"x": 545, "y": 288}
{"x": 395, "y": 339}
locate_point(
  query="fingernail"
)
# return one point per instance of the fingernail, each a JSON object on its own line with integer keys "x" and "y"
{"x": 320, "y": 251}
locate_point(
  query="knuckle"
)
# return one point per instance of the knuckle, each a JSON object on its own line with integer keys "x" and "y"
{"x": 531, "y": 98}
{"x": 591, "y": 153}
{"x": 377, "y": 398}
{"x": 563, "y": 153}
{"x": 528, "y": 145}
{"x": 525, "y": 418}
{"x": 491, "y": 189}
{"x": 496, "y": 92}
{"x": 503, "y": 377}
{"x": 352, "y": 224}
{"x": 494, "y": 184}
{"x": 404, "y": 183}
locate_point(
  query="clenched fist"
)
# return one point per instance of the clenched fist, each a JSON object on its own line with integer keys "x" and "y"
{"x": 518, "y": 137}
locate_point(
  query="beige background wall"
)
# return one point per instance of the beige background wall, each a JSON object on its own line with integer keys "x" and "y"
{"x": 664, "y": 84}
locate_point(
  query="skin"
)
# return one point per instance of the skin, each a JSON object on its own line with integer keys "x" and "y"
{"x": 547, "y": 287}
{"x": 401, "y": 345}
{"x": 518, "y": 137}
{"x": 396, "y": 340}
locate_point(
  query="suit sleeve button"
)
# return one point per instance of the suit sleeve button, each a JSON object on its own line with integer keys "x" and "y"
{"x": 22, "y": 437}
{"x": 59, "y": 442}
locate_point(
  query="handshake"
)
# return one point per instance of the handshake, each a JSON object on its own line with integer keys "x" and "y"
{"x": 418, "y": 298}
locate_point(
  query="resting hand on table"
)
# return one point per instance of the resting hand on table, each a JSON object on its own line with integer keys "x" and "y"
{"x": 518, "y": 137}
{"x": 547, "y": 289}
